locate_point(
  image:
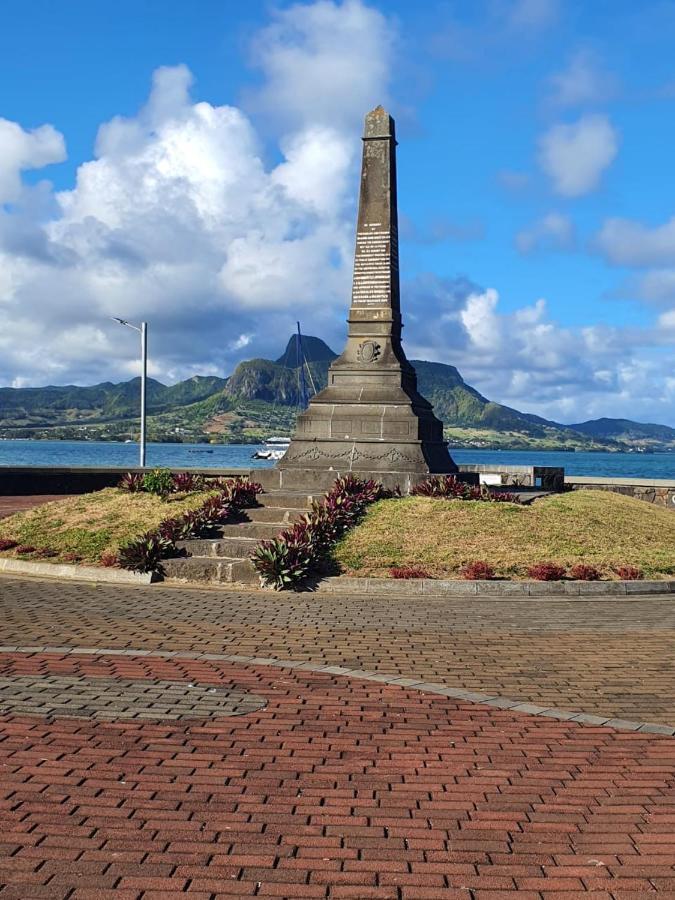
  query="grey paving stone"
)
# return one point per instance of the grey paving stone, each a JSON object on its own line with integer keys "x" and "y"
{"x": 117, "y": 698}
{"x": 623, "y": 724}
{"x": 528, "y": 708}
{"x": 503, "y": 702}
{"x": 655, "y": 728}
{"x": 589, "y": 719}
{"x": 563, "y": 714}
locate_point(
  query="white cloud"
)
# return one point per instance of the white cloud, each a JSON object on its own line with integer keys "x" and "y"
{"x": 554, "y": 231}
{"x": 178, "y": 220}
{"x": 21, "y": 150}
{"x": 583, "y": 82}
{"x": 526, "y": 360}
{"x": 624, "y": 242}
{"x": 324, "y": 64}
{"x": 657, "y": 286}
{"x": 575, "y": 155}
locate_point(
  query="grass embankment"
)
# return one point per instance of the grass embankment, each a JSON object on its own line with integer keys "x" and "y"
{"x": 440, "y": 536}
{"x": 92, "y": 525}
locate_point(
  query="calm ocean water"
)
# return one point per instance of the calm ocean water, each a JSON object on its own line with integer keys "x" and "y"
{"x": 85, "y": 453}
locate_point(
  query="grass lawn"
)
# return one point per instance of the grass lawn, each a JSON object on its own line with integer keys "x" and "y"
{"x": 89, "y": 525}
{"x": 440, "y": 536}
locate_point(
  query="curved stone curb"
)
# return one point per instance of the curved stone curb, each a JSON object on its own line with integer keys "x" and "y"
{"x": 74, "y": 573}
{"x": 416, "y": 684}
{"x": 431, "y": 587}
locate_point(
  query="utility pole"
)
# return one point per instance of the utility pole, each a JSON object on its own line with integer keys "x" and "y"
{"x": 143, "y": 331}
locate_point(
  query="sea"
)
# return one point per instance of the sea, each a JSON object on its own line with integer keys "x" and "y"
{"x": 221, "y": 456}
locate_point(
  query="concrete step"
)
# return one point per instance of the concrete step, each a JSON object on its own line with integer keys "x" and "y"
{"x": 210, "y": 570}
{"x": 220, "y": 548}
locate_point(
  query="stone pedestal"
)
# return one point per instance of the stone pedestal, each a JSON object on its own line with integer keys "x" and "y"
{"x": 371, "y": 419}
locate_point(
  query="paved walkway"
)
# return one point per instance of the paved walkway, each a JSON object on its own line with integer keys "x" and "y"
{"x": 284, "y": 782}
{"x": 606, "y": 657}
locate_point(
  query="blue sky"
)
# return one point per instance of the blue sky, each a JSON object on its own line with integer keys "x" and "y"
{"x": 538, "y": 239}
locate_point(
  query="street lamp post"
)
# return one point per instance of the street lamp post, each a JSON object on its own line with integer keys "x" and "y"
{"x": 143, "y": 331}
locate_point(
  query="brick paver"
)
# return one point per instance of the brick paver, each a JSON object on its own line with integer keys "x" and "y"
{"x": 607, "y": 657}
{"x": 120, "y": 698}
{"x": 337, "y": 788}
{"x": 14, "y": 504}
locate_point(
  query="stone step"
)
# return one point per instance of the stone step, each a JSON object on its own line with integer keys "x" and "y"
{"x": 259, "y": 530}
{"x": 220, "y": 548}
{"x": 288, "y": 499}
{"x": 210, "y": 570}
{"x": 276, "y": 514}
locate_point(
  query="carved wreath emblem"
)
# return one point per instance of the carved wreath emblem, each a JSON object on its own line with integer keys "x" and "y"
{"x": 368, "y": 351}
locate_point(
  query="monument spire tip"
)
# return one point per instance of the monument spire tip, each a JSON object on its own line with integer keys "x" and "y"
{"x": 379, "y": 123}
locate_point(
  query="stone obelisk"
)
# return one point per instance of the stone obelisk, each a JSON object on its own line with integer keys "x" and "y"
{"x": 371, "y": 418}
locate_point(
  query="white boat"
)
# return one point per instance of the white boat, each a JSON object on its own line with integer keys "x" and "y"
{"x": 273, "y": 448}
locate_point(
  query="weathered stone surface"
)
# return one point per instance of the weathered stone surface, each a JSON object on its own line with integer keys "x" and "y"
{"x": 371, "y": 417}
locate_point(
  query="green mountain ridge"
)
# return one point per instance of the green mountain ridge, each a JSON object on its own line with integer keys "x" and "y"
{"x": 261, "y": 397}
{"x": 626, "y": 430}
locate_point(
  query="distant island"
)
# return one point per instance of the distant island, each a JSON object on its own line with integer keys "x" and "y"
{"x": 261, "y": 397}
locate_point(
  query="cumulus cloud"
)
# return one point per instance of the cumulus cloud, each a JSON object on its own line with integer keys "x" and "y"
{"x": 525, "y": 359}
{"x": 178, "y": 220}
{"x": 575, "y": 155}
{"x": 624, "y": 242}
{"x": 324, "y": 64}
{"x": 554, "y": 231}
{"x": 582, "y": 83}
{"x": 21, "y": 150}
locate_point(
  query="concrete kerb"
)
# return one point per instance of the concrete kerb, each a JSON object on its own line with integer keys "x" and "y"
{"x": 540, "y": 589}
{"x": 61, "y": 571}
{"x": 426, "y": 687}
{"x": 535, "y": 590}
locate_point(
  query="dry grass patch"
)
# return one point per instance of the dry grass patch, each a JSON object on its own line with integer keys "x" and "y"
{"x": 91, "y": 525}
{"x": 595, "y": 527}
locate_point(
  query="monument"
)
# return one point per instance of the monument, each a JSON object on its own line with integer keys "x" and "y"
{"x": 370, "y": 419}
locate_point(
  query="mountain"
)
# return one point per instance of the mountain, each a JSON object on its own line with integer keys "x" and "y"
{"x": 261, "y": 398}
{"x": 626, "y": 430}
{"x": 98, "y": 403}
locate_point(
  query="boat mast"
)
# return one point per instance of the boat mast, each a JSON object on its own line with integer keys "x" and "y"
{"x": 303, "y": 399}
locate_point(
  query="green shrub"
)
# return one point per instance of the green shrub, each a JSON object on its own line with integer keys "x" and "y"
{"x": 159, "y": 482}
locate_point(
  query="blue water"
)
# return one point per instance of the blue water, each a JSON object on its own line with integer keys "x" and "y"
{"x": 90, "y": 453}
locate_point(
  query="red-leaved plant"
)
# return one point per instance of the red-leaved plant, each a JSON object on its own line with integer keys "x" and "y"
{"x": 585, "y": 572}
{"x": 546, "y": 571}
{"x": 7, "y": 544}
{"x": 628, "y": 573}
{"x": 451, "y": 488}
{"x": 408, "y": 572}
{"x": 132, "y": 482}
{"x": 145, "y": 553}
{"x": 109, "y": 560}
{"x": 477, "y": 571}
{"x": 186, "y": 482}
{"x": 290, "y": 558}
{"x": 24, "y": 548}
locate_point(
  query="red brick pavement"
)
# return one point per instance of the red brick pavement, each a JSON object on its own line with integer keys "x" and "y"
{"x": 337, "y": 789}
{"x": 11, "y": 505}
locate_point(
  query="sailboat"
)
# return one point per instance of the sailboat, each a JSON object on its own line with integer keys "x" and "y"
{"x": 274, "y": 447}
